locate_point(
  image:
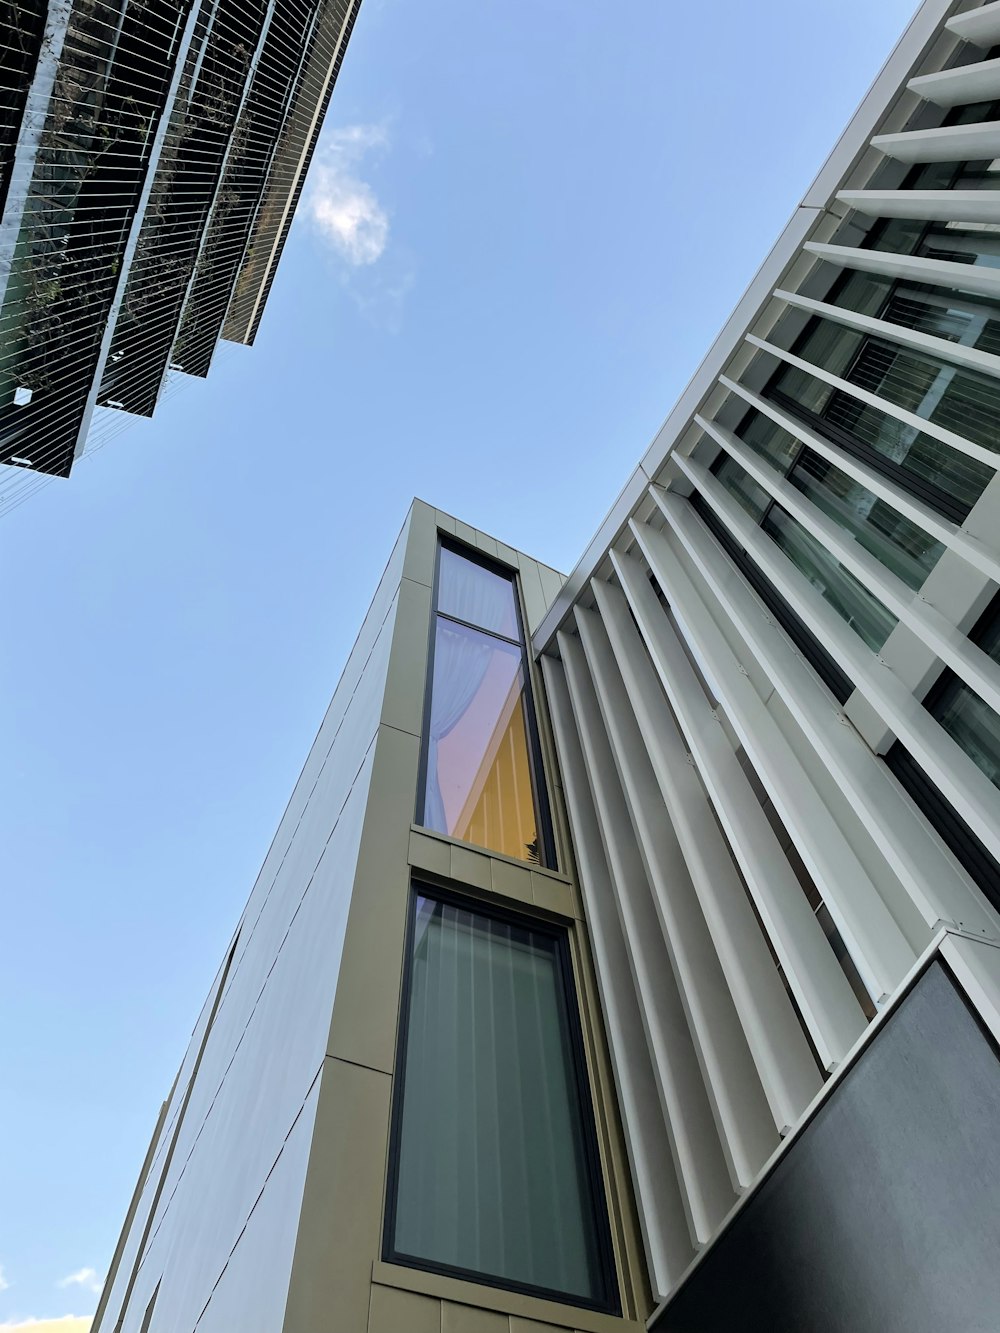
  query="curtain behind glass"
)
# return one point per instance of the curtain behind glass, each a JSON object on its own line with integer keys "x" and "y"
{"x": 471, "y": 592}
{"x": 461, "y": 659}
{"x": 492, "y": 1173}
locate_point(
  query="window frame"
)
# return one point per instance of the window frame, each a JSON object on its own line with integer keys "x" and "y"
{"x": 545, "y": 834}
{"x": 609, "y": 1301}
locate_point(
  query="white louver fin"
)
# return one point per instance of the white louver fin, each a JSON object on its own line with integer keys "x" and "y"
{"x": 977, "y": 206}
{"x": 981, "y": 26}
{"x": 951, "y": 143}
{"x": 959, "y": 87}
{"x": 977, "y": 278}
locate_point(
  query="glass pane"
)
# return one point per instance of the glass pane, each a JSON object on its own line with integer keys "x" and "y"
{"x": 969, "y": 720}
{"x": 493, "y": 1175}
{"x": 478, "y": 785}
{"x": 850, "y": 599}
{"x": 473, "y": 593}
{"x": 959, "y": 401}
{"x": 770, "y": 440}
{"x": 898, "y": 543}
{"x": 743, "y": 488}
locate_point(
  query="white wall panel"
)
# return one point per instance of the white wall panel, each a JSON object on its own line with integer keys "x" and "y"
{"x": 706, "y": 1190}
{"x": 743, "y": 1119}
{"x": 661, "y": 1211}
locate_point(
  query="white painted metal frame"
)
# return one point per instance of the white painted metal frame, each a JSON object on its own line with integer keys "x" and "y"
{"x": 664, "y": 711}
{"x": 743, "y": 1119}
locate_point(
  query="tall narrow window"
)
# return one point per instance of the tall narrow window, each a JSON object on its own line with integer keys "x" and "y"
{"x": 494, "y": 1172}
{"x": 482, "y": 772}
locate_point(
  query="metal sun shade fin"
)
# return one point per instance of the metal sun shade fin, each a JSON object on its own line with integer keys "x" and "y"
{"x": 928, "y": 876}
{"x": 945, "y": 762}
{"x": 824, "y": 998}
{"x": 978, "y": 82}
{"x": 666, "y": 1234}
{"x": 979, "y": 279}
{"x": 911, "y": 419}
{"x": 949, "y": 143}
{"x": 877, "y": 944}
{"x": 784, "y": 1062}
{"x": 975, "y": 206}
{"x": 981, "y": 26}
{"x": 200, "y": 140}
{"x": 81, "y": 219}
{"x": 743, "y": 1118}
{"x": 707, "y": 1193}
{"x": 958, "y": 354}
{"x": 977, "y": 553}
{"x": 969, "y": 662}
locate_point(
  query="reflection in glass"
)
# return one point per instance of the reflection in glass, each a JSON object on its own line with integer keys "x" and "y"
{"x": 901, "y": 545}
{"x": 968, "y": 718}
{"x": 479, "y": 596}
{"x": 849, "y": 598}
{"x": 493, "y": 1175}
{"x": 958, "y": 400}
{"x": 478, "y": 785}
{"x": 479, "y": 778}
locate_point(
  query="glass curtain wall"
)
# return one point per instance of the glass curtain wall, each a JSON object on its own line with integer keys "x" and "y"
{"x": 482, "y": 775}
{"x": 959, "y": 400}
{"x": 865, "y": 614}
{"x": 976, "y": 728}
{"x": 495, "y": 1175}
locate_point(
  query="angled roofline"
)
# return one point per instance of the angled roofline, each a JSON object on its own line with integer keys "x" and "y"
{"x": 887, "y": 89}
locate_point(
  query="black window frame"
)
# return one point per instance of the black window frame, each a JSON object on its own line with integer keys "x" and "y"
{"x": 547, "y": 858}
{"x": 610, "y": 1300}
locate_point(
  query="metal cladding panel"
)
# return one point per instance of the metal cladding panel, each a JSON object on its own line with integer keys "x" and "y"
{"x": 250, "y": 1295}
{"x": 239, "y": 1118}
{"x": 882, "y": 1217}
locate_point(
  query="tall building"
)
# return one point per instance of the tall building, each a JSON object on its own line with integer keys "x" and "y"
{"x": 629, "y": 953}
{"x": 152, "y": 153}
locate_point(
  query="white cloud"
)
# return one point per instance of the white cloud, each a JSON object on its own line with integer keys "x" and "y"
{"x": 343, "y": 207}
{"x": 4, "y": 1284}
{"x": 67, "y": 1323}
{"x": 87, "y": 1278}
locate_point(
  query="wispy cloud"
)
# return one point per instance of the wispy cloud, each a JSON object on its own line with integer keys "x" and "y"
{"x": 67, "y": 1323}
{"x": 87, "y": 1278}
{"x": 4, "y": 1284}
{"x": 340, "y": 204}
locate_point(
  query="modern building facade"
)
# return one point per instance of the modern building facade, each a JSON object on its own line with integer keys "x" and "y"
{"x": 152, "y": 153}
{"x": 629, "y": 953}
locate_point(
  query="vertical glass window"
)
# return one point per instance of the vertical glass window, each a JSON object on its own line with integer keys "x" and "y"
{"x": 494, "y": 1172}
{"x": 482, "y": 772}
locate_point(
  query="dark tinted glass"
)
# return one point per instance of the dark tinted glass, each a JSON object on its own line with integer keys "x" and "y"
{"x": 493, "y": 1174}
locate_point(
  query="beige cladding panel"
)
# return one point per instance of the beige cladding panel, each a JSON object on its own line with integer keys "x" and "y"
{"x": 268, "y": 1171}
{"x": 366, "y": 1010}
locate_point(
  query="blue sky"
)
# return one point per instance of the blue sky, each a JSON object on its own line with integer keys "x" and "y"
{"x": 525, "y": 226}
